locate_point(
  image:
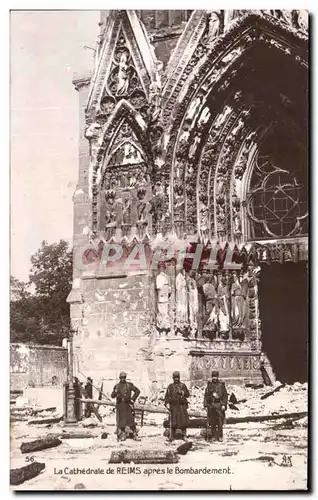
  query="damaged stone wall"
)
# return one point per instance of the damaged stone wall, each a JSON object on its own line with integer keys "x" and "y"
{"x": 36, "y": 365}
{"x": 116, "y": 324}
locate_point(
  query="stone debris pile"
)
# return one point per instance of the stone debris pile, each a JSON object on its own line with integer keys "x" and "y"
{"x": 291, "y": 398}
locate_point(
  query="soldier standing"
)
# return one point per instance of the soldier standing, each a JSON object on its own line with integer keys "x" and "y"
{"x": 215, "y": 402}
{"x": 88, "y": 395}
{"x": 126, "y": 394}
{"x": 177, "y": 404}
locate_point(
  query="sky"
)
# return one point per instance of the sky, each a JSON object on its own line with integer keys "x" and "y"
{"x": 47, "y": 48}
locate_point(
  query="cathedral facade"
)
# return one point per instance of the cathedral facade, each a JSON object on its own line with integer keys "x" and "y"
{"x": 193, "y": 148}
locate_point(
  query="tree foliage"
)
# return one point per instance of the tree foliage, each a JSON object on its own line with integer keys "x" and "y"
{"x": 43, "y": 316}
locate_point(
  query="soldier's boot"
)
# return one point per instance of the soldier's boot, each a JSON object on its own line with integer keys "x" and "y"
{"x": 172, "y": 436}
{"x": 122, "y": 435}
{"x": 220, "y": 433}
{"x": 208, "y": 436}
{"x": 184, "y": 434}
{"x": 135, "y": 435}
{"x": 214, "y": 433}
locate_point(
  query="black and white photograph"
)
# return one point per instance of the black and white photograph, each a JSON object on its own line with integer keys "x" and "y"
{"x": 159, "y": 284}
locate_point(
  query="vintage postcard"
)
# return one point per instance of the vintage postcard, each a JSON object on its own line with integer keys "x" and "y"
{"x": 159, "y": 280}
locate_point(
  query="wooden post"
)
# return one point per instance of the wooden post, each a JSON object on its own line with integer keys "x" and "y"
{"x": 70, "y": 417}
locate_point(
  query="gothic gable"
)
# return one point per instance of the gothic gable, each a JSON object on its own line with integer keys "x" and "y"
{"x": 125, "y": 66}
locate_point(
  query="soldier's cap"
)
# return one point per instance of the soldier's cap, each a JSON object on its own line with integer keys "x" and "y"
{"x": 215, "y": 374}
{"x": 176, "y": 374}
{"x": 122, "y": 375}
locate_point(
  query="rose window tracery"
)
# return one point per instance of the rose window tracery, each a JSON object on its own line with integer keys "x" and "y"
{"x": 276, "y": 204}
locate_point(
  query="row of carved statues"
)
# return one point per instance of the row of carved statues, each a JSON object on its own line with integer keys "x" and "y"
{"x": 211, "y": 305}
{"x": 125, "y": 213}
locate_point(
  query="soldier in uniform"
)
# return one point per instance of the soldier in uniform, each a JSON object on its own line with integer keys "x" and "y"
{"x": 89, "y": 395}
{"x": 177, "y": 404}
{"x": 126, "y": 394}
{"x": 215, "y": 402}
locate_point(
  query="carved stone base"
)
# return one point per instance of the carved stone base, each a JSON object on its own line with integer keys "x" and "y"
{"x": 233, "y": 367}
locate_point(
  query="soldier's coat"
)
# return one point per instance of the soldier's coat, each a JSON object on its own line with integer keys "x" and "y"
{"x": 126, "y": 394}
{"x": 176, "y": 398}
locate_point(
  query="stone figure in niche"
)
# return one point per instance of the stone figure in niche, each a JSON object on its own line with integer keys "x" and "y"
{"x": 131, "y": 154}
{"x": 220, "y": 217}
{"x": 163, "y": 293}
{"x": 250, "y": 279}
{"x": 239, "y": 293}
{"x": 123, "y": 179}
{"x": 142, "y": 209}
{"x": 181, "y": 301}
{"x": 204, "y": 217}
{"x": 193, "y": 108}
{"x": 213, "y": 21}
{"x": 295, "y": 19}
{"x": 274, "y": 253}
{"x": 155, "y": 101}
{"x": 127, "y": 211}
{"x": 141, "y": 205}
{"x": 201, "y": 278}
{"x": 237, "y": 223}
{"x": 194, "y": 146}
{"x": 288, "y": 255}
{"x": 143, "y": 177}
{"x": 193, "y": 303}
{"x": 107, "y": 105}
{"x": 110, "y": 214}
{"x": 158, "y": 202}
{"x": 123, "y": 75}
{"x": 184, "y": 137}
{"x": 205, "y": 115}
{"x": 179, "y": 200}
{"x": 210, "y": 321}
{"x": 224, "y": 308}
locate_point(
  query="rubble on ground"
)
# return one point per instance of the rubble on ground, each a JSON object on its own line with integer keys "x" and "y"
{"x": 245, "y": 444}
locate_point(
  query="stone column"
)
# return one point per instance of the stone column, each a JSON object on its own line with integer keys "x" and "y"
{"x": 253, "y": 320}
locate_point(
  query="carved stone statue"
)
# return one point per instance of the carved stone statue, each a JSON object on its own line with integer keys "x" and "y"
{"x": 184, "y": 136}
{"x": 193, "y": 108}
{"x": 181, "y": 301}
{"x": 239, "y": 292}
{"x": 215, "y": 23}
{"x": 204, "y": 217}
{"x": 224, "y": 309}
{"x": 194, "y": 146}
{"x": 141, "y": 205}
{"x": 193, "y": 303}
{"x": 211, "y": 308}
{"x": 158, "y": 202}
{"x": 110, "y": 214}
{"x": 127, "y": 211}
{"x": 205, "y": 115}
{"x": 163, "y": 293}
{"x": 155, "y": 99}
{"x": 179, "y": 200}
{"x": 220, "y": 217}
{"x": 107, "y": 105}
{"x": 131, "y": 154}
{"x": 123, "y": 75}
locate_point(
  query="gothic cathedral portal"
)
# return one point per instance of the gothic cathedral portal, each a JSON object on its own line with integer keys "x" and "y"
{"x": 193, "y": 138}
